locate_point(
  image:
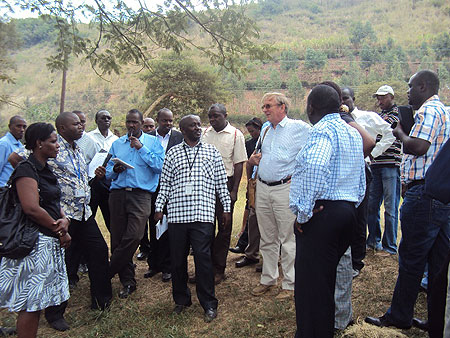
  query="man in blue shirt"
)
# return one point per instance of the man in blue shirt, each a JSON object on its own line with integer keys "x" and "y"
{"x": 131, "y": 194}
{"x": 9, "y": 143}
{"x": 327, "y": 185}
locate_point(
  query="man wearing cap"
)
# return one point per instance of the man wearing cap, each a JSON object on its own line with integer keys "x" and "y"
{"x": 375, "y": 126}
{"x": 385, "y": 183}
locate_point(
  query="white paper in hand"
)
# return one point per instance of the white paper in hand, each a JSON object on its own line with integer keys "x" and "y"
{"x": 161, "y": 227}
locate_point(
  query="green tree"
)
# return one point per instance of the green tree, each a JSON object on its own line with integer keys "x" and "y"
{"x": 360, "y": 33}
{"x": 315, "y": 59}
{"x": 125, "y": 35}
{"x": 368, "y": 56}
{"x": 35, "y": 30}
{"x": 8, "y": 41}
{"x": 441, "y": 46}
{"x": 289, "y": 60}
{"x": 182, "y": 85}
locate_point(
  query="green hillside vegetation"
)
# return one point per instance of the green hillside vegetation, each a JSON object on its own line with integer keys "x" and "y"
{"x": 362, "y": 44}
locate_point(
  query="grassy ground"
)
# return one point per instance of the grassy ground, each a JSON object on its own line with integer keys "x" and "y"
{"x": 147, "y": 313}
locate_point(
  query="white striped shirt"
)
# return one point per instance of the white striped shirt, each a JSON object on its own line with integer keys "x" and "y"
{"x": 280, "y": 147}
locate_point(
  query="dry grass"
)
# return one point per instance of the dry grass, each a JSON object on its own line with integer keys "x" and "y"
{"x": 147, "y": 313}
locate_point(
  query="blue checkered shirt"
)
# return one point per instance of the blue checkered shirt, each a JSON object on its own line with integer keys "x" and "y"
{"x": 432, "y": 124}
{"x": 329, "y": 167}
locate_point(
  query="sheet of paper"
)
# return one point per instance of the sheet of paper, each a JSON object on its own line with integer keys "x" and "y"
{"x": 118, "y": 160}
{"x": 96, "y": 162}
{"x": 161, "y": 227}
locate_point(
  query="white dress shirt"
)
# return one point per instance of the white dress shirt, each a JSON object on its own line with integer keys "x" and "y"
{"x": 102, "y": 141}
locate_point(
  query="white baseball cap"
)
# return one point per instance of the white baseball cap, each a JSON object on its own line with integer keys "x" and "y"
{"x": 384, "y": 90}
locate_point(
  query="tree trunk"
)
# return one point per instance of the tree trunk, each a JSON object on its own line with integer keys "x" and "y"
{"x": 155, "y": 103}
{"x": 63, "y": 91}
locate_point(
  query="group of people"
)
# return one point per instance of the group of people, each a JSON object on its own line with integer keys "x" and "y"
{"x": 317, "y": 189}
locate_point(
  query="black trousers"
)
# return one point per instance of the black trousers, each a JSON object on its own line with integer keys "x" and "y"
{"x": 359, "y": 235}
{"x": 99, "y": 198}
{"x": 221, "y": 243}
{"x": 87, "y": 238}
{"x": 198, "y": 235}
{"x": 159, "y": 254}
{"x": 130, "y": 211}
{"x": 319, "y": 248}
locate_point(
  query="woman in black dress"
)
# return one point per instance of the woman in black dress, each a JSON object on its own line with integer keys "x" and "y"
{"x": 39, "y": 280}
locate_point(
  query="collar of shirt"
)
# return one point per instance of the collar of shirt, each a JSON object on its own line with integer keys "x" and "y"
{"x": 228, "y": 129}
{"x": 13, "y": 140}
{"x": 199, "y": 143}
{"x": 282, "y": 123}
{"x": 97, "y": 132}
{"x": 163, "y": 137}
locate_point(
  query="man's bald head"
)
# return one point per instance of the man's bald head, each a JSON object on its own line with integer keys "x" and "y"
{"x": 69, "y": 126}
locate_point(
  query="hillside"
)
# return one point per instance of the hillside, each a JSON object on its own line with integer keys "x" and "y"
{"x": 358, "y": 43}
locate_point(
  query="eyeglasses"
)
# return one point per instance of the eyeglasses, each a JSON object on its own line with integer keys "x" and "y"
{"x": 106, "y": 118}
{"x": 268, "y": 106}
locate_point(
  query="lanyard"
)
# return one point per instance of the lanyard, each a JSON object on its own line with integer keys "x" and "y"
{"x": 73, "y": 164}
{"x": 187, "y": 157}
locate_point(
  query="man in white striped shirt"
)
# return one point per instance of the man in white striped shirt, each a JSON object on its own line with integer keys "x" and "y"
{"x": 281, "y": 141}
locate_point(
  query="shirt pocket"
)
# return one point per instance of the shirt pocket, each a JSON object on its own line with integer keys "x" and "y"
{"x": 208, "y": 167}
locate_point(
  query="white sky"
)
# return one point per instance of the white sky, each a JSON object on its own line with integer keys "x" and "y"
{"x": 150, "y": 4}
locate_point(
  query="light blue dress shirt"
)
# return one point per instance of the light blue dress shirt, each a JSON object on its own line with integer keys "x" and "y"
{"x": 329, "y": 167}
{"x": 279, "y": 148}
{"x": 8, "y": 144}
{"x": 147, "y": 163}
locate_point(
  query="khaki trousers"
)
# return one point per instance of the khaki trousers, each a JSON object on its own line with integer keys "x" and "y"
{"x": 276, "y": 226}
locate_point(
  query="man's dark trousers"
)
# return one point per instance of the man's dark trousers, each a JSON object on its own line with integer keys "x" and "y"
{"x": 197, "y": 234}
{"x": 99, "y": 198}
{"x": 425, "y": 239}
{"x": 130, "y": 210}
{"x": 87, "y": 238}
{"x": 159, "y": 254}
{"x": 359, "y": 235}
{"x": 221, "y": 243}
{"x": 319, "y": 248}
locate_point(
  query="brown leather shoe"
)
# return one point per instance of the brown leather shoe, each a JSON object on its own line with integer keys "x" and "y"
{"x": 261, "y": 289}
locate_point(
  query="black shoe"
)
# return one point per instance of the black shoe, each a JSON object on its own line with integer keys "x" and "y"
{"x": 210, "y": 314}
{"x": 60, "y": 325}
{"x": 244, "y": 261}
{"x": 7, "y": 331}
{"x": 150, "y": 273}
{"x": 166, "y": 277}
{"x": 142, "y": 256}
{"x": 237, "y": 249}
{"x": 83, "y": 268}
{"x": 191, "y": 279}
{"x": 420, "y": 324}
{"x": 180, "y": 308}
{"x": 384, "y": 322}
{"x": 258, "y": 268}
{"x": 126, "y": 291}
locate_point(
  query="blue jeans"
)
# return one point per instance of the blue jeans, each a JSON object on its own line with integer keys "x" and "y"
{"x": 385, "y": 186}
{"x": 425, "y": 238}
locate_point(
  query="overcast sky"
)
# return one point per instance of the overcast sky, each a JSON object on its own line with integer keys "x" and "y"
{"x": 151, "y": 4}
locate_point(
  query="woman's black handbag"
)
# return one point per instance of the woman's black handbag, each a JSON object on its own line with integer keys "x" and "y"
{"x": 18, "y": 234}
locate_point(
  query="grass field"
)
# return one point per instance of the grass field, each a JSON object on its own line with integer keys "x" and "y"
{"x": 148, "y": 312}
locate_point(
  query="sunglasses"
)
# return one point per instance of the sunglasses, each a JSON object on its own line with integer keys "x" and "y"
{"x": 268, "y": 106}
{"x": 106, "y": 118}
